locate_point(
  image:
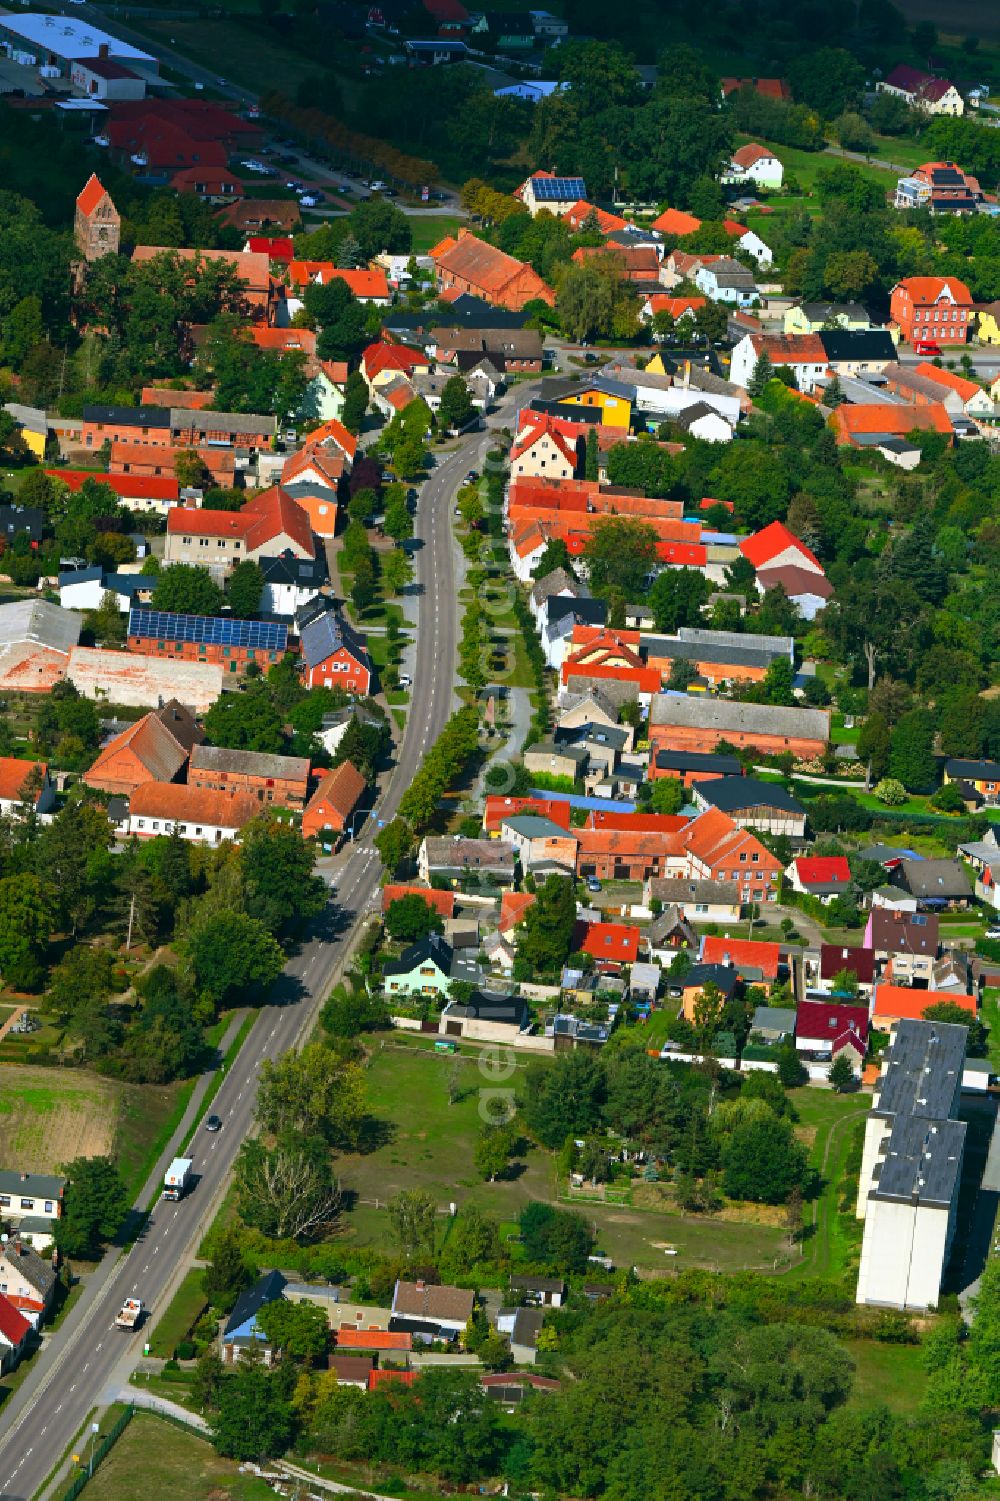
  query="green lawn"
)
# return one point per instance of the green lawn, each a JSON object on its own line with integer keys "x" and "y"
{"x": 990, "y": 1014}
{"x": 828, "y": 1124}
{"x": 889, "y": 1374}
{"x": 184, "y": 1309}
{"x": 428, "y": 229}
{"x": 152, "y": 1455}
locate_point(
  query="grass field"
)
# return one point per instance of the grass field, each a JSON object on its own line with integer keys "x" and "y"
{"x": 889, "y": 1374}
{"x": 431, "y": 1147}
{"x": 429, "y": 228}
{"x": 48, "y": 1116}
{"x": 183, "y": 1310}
{"x": 827, "y": 1125}
{"x": 155, "y": 1456}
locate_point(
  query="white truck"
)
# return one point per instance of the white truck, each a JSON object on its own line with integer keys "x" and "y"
{"x": 130, "y": 1314}
{"x": 177, "y": 1177}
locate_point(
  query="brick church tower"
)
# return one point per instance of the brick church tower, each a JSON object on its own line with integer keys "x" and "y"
{"x": 97, "y": 223}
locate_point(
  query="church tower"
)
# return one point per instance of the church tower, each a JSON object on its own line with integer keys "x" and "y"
{"x": 97, "y": 223}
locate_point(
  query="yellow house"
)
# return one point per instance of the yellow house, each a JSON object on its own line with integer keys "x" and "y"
{"x": 813, "y": 317}
{"x": 988, "y": 329}
{"x": 614, "y": 400}
{"x": 34, "y": 427}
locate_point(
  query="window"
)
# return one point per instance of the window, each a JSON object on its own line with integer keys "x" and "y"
{"x": 755, "y": 857}
{"x": 5, "y": 1201}
{"x": 743, "y": 858}
{"x": 27, "y": 1203}
{"x": 48, "y": 1206}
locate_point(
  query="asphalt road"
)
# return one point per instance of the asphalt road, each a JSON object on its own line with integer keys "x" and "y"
{"x": 87, "y": 1358}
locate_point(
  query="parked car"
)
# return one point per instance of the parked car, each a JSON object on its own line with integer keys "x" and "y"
{"x": 993, "y": 933}
{"x": 925, "y": 346}
{"x": 593, "y": 884}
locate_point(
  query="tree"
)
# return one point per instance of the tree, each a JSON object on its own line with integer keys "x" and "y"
{"x": 592, "y": 455}
{"x": 228, "y": 1272}
{"x": 189, "y": 469}
{"x": 763, "y": 374}
{"x": 911, "y": 754}
{"x": 394, "y": 844}
{"x": 188, "y": 590}
{"x": 873, "y": 745}
{"x": 355, "y": 402}
{"x": 246, "y": 721}
{"x": 254, "y": 1420}
{"x": 594, "y": 302}
{"x": 555, "y": 1238}
{"x": 340, "y": 318}
{"x": 564, "y": 1099}
{"x": 410, "y": 918}
{"x": 398, "y": 521}
{"x": 300, "y": 1330}
{"x": 412, "y": 1214}
{"x": 493, "y": 1149}
{"x": 397, "y": 572}
{"x": 95, "y": 1209}
{"x": 232, "y": 954}
{"x": 667, "y": 795}
{"x": 841, "y": 1074}
{"x": 762, "y": 1161}
{"x": 245, "y": 587}
{"x": 890, "y": 792}
{"x": 957, "y": 1016}
{"x": 677, "y": 598}
{"x": 620, "y": 554}
{"x": 545, "y": 936}
{"x": 456, "y": 407}
{"x": 474, "y": 1239}
{"x": 312, "y": 1093}
{"x": 277, "y": 867}
{"x": 27, "y": 920}
{"x": 287, "y": 1190}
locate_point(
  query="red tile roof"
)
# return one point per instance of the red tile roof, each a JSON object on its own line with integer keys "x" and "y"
{"x": 137, "y": 486}
{"x": 385, "y": 356}
{"x": 14, "y": 774}
{"x": 340, "y": 789}
{"x": 90, "y": 195}
{"x": 284, "y": 340}
{"x": 490, "y": 271}
{"x": 965, "y": 388}
{"x": 925, "y": 290}
{"x": 826, "y": 1021}
{"x": 742, "y": 953}
{"x": 637, "y": 823}
{"x": 747, "y": 155}
{"x": 609, "y": 940}
{"x": 607, "y": 223}
{"x": 268, "y": 515}
{"x": 513, "y": 906}
{"x": 334, "y": 432}
{"x": 775, "y": 539}
{"x": 898, "y": 1001}
{"x": 172, "y": 801}
{"x": 563, "y": 433}
{"x": 443, "y": 902}
{"x": 770, "y": 88}
{"x": 822, "y": 870}
{"x": 14, "y": 1327}
{"x": 275, "y": 247}
{"x": 254, "y": 270}
{"x": 674, "y": 221}
{"x": 498, "y": 808}
{"x": 350, "y": 1338}
{"x": 387, "y": 1377}
{"x": 662, "y": 302}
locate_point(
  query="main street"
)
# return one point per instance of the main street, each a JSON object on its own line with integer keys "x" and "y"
{"x": 87, "y": 1358}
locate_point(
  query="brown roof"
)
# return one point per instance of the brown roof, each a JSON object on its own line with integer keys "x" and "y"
{"x": 484, "y": 266}
{"x": 795, "y": 581}
{"x": 181, "y": 723}
{"x": 200, "y": 805}
{"x": 352, "y": 1367}
{"x": 425, "y": 1300}
{"x": 340, "y": 789}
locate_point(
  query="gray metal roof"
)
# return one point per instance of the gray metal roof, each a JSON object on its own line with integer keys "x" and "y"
{"x": 734, "y": 794}
{"x": 723, "y": 714}
{"x": 248, "y": 763}
{"x": 31, "y": 1185}
{"x": 38, "y": 621}
{"x": 922, "y": 1161}
{"x": 923, "y": 1070}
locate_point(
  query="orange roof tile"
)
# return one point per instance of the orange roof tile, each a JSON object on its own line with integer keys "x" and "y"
{"x": 373, "y": 1339}
{"x": 340, "y": 789}
{"x": 965, "y": 388}
{"x": 674, "y": 221}
{"x": 747, "y": 155}
{"x": 443, "y": 902}
{"x": 90, "y": 194}
{"x": 489, "y": 270}
{"x": 14, "y": 775}
{"x": 335, "y": 432}
{"x": 637, "y": 823}
{"x": 898, "y": 1001}
{"x": 895, "y": 421}
{"x": 284, "y": 340}
{"x": 173, "y": 802}
{"x": 662, "y": 302}
{"x": 151, "y": 743}
{"x": 513, "y": 906}
{"x": 742, "y": 953}
{"x": 607, "y": 223}
{"x": 253, "y": 269}
{"x": 925, "y": 290}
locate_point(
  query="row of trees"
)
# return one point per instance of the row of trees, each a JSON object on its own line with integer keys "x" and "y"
{"x": 441, "y": 768}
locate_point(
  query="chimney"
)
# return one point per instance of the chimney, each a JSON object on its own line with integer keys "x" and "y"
{"x": 421, "y": 1287}
{"x": 102, "y": 50}
{"x": 24, "y": 1177}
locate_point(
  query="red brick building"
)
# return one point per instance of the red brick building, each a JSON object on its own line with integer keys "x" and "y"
{"x": 471, "y": 265}
{"x": 232, "y": 643}
{"x": 698, "y": 724}
{"x": 933, "y": 309}
{"x": 282, "y": 780}
{"x": 331, "y": 805}
{"x": 622, "y": 855}
{"x": 154, "y": 749}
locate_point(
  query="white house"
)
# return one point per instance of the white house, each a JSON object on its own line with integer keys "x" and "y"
{"x": 290, "y": 583}
{"x": 751, "y": 242}
{"x": 756, "y": 164}
{"x": 725, "y": 280}
{"x": 32, "y": 1202}
{"x": 804, "y": 354}
{"x": 555, "y": 194}
{"x": 14, "y": 775}
{"x": 200, "y": 814}
{"x": 701, "y": 420}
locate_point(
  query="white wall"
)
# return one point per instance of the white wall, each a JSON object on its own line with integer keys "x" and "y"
{"x": 902, "y": 1255}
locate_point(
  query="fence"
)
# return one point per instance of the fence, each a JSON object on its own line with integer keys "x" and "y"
{"x": 100, "y": 1453}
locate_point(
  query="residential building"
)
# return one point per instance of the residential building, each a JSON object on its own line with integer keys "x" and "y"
{"x": 767, "y": 88}
{"x": 933, "y": 309}
{"x": 26, "y": 1280}
{"x": 282, "y": 780}
{"x": 90, "y": 588}
{"x": 911, "y": 1167}
{"x": 242, "y": 1332}
{"x": 290, "y": 582}
{"x": 922, "y": 91}
{"x": 224, "y": 639}
{"x": 557, "y": 195}
{"x": 384, "y": 362}
{"x": 941, "y": 187}
{"x": 835, "y": 958}
{"x": 458, "y": 859}
{"x": 547, "y": 447}
{"x": 821, "y": 876}
{"x": 332, "y": 654}
{"x": 32, "y": 1202}
{"x": 541, "y": 1292}
{"x": 815, "y": 317}
{"x": 623, "y": 854}
{"x": 270, "y": 523}
{"x": 937, "y": 884}
{"x": 539, "y": 843}
{"x": 753, "y": 804}
{"x": 676, "y": 222}
{"x": 893, "y": 1003}
{"x": 725, "y": 280}
{"x": 96, "y": 222}
{"x": 331, "y": 808}
{"x": 669, "y": 932}
{"x": 441, "y": 902}
{"x": 487, "y": 1016}
{"x": 755, "y": 962}
{"x": 698, "y": 724}
{"x": 156, "y": 493}
{"x": 824, "y": 1028}
{"x": 194, "y": 813}
{"x": 757, "y": 165}
{"x": 497, "y": 808}
{"x": 983, "y": 777}
{"x": 610, "y": 944}
{"x": 909, "y": 941}
{"x": 471, "y": 265}
{"x": 557, "y": 760}
{"x": 712, "y": 846}
{"x": 885, "y": 426}
{"x": 522, "y": 1327}
{"x": 24, "y": 783}
{"x": 253, "y": 271}
{"x": 154, "y": 749}
{"x": 690, "y": 987}
{"x": 417, "y": 1304}
{"x": 136, "y": 681}
{"x": 15, "y": 1332}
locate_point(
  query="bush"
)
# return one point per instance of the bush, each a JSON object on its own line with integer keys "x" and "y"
{"x": 890, "y": 792}
{"x": 185, "y": 1350}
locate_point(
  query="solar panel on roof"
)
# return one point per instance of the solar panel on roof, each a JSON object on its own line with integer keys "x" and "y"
{"x": 208, "y": 630}
{"x": 559, "y": 189}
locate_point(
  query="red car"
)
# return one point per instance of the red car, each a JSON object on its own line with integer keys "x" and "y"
{"x": 926, "y": 347}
